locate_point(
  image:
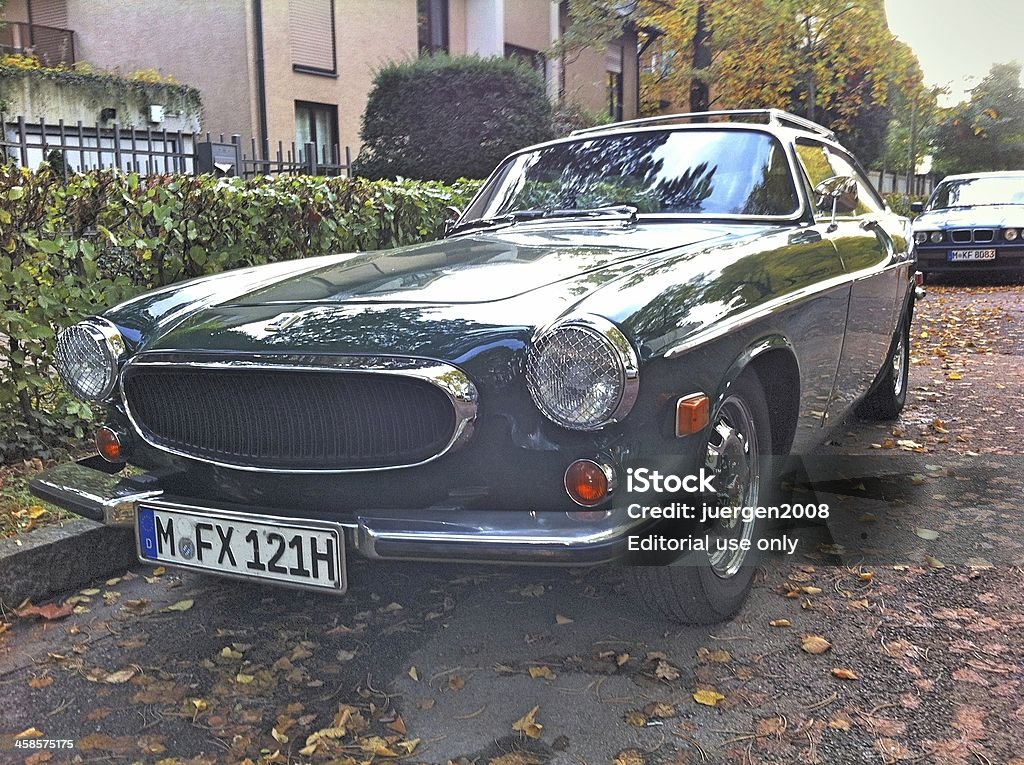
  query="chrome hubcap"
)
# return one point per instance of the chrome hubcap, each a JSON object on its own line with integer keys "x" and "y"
{"x": 897, "y": 366}
{"x": 732, "y": 456}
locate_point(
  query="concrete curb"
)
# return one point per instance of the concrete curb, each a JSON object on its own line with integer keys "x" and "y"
{"x": 55, "y": 559}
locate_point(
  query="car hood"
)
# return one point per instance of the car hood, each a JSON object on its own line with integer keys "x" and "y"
{"x": 400, "y": 300}
{"x": 982, "y": 216}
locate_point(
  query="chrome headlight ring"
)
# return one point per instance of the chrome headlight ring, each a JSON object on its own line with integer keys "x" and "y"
{"x": 87, "y": 357}
{"x": 583, "y": 373}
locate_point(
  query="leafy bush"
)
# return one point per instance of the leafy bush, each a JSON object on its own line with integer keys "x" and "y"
{"x": 440, "y": 118}
{"x": 72, "y": 247}
{"x": 900, "y": 203}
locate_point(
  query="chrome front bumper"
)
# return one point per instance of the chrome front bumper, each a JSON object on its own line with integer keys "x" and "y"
{"x": 436, "y": 533}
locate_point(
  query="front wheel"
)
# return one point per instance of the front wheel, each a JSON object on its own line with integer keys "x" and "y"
{"x": 708, "y": 587}
{"x": 889, "y": 396}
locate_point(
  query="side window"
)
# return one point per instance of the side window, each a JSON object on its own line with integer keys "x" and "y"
{"x": 815, "y": 162}
{"x": 866, "y": 200}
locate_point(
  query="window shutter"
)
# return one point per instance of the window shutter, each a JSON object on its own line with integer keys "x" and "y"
{"x": 613, "y": 59}
{"x": 311, "y": 24}
{"x": 50, "y": 13}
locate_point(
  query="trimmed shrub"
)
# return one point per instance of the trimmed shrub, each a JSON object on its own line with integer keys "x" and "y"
{"x": 440, "y": 118}
{"x": 72, "y": 247}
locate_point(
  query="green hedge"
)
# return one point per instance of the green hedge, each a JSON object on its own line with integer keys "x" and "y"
{"x": 441, "y": 118}
{"x": 900, "y": 203}
{"x": 70, "y": 248}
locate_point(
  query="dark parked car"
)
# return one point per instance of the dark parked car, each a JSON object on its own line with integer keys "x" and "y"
{"x": 688, "y": 295}
{"x": 972, "y": 223}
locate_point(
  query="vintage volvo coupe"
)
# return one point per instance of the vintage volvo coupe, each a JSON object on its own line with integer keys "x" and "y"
{"x": 689, "y": 294}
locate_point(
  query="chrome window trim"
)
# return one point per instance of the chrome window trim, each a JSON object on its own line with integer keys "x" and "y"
{"x": 629, "y": 362}
{"x": 781, "y": 136}
{"x": 456, "y": 384}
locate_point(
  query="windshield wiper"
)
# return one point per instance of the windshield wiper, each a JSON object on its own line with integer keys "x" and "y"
{"x": 517, "y": 216}
{"x": 627, "y": 211}
{"x": 508, "y": 218}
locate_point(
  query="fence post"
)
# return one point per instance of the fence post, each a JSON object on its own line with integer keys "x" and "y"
{"x": 311, "y": 163}
{"x": 22, "y": 141}
{"x": 348, "y": 162}
{"x": 236, "y": 140}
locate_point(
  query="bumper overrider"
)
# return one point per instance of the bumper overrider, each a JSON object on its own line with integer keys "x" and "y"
{"x": 435, "y": 533}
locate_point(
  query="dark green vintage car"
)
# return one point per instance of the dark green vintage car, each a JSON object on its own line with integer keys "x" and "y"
{"x": 638, "y": 313}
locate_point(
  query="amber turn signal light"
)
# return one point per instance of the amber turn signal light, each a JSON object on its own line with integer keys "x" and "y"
{"x": 108, "y": 444}
{"x": 693, "y": 413}
{"x": 589, "y": 483}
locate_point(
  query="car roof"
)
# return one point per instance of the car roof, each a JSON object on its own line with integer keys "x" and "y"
{"x": 773, "y": 118}
{"x": 988, "y": 174}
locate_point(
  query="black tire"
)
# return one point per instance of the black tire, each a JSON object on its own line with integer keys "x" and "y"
{"x": 889, "y": 395}
{"x": 692, "y": 591}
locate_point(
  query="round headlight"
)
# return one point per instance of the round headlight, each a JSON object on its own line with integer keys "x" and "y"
{"x": 1010, "y": 234}
{"x": 86, "y": 358}
{"x": 583, "y": 373}
{"x": 921, "y": 237}
{"x": 936, "y": 237}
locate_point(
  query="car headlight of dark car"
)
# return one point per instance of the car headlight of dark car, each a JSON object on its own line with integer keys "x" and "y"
{"x": 583, "y": 373}
{"x": 87, "y": 356}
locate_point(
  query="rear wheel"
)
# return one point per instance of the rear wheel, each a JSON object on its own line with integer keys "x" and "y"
{"x": 889, "y": 396}
{"x": 704, "y": 588}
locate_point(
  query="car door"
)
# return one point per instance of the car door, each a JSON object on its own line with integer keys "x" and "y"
{"x": 872, "y": 263}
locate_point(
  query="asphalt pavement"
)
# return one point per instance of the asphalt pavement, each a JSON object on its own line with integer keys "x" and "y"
{"x": 892, "y": 634}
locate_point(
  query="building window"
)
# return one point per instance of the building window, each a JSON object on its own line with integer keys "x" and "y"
{"x": 532, "y": 58}
{"x": 317, "y": 124}
{"x": 432, "y": 20}
{"x": 615, "y": 96}
{"x": 311, "y": 27}
{"x": 613, "y": 63}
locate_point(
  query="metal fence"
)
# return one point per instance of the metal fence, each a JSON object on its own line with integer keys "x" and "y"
{"x": 83, "y": 147}
{"x": 896, "y": 183}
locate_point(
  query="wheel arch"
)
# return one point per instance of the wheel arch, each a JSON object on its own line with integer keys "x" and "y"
{"x": 773, "y": 361}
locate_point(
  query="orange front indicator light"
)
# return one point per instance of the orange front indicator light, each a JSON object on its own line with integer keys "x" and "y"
{"x": 589, "y": 483}
{"x": 108, "y": 444}
{"x": 693, "y": 413}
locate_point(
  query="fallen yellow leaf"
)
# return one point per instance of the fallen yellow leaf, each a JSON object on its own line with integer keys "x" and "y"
{"x": 844, "y": 674}
{"x": 528, "y": 725}
{"x": 414, "y": 674}
{"x": 181, "y": 605}
{"x": 243, "y": 679}
{"x": 815, "y": 644}
{"x": 559, "y": 619}
{"x": 780, "y": 623}
{"x": 121, "y": 676}
{"x": 544, "y": 672}
{"x": 30, "y": 733}
{"x": 708, "y": 697}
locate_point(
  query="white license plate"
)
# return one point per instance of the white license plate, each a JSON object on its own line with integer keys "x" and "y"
{"x": 300, "y": 553}
{"x": 972, "y": 255}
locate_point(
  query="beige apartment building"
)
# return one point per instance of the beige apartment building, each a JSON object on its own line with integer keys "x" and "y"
{"x": 301, "y": 70}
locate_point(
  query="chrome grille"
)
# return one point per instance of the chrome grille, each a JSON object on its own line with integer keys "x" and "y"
{"x": 972, "y": 235}
{"x": 288, "y": 419}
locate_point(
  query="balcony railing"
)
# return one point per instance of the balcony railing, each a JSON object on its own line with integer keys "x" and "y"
{"x": 53, "y": 46}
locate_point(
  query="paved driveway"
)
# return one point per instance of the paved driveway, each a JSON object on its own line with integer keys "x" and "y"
{"x": 915, "y": 587}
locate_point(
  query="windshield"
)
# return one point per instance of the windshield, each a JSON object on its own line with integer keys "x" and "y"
{"x": 969, "y": 192}
{"x": 697, "y": 172}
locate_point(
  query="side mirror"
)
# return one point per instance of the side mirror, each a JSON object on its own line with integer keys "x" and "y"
{"x": 451, "y": 217}
{"x": 835, "y": 195}
{"x": 917, "y": 207}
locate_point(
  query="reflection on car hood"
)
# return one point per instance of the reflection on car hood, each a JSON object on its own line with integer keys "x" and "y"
{"x": 984, "y": 216}
{"x": 428, "y": 299}
{"x": 468, "y": 269}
